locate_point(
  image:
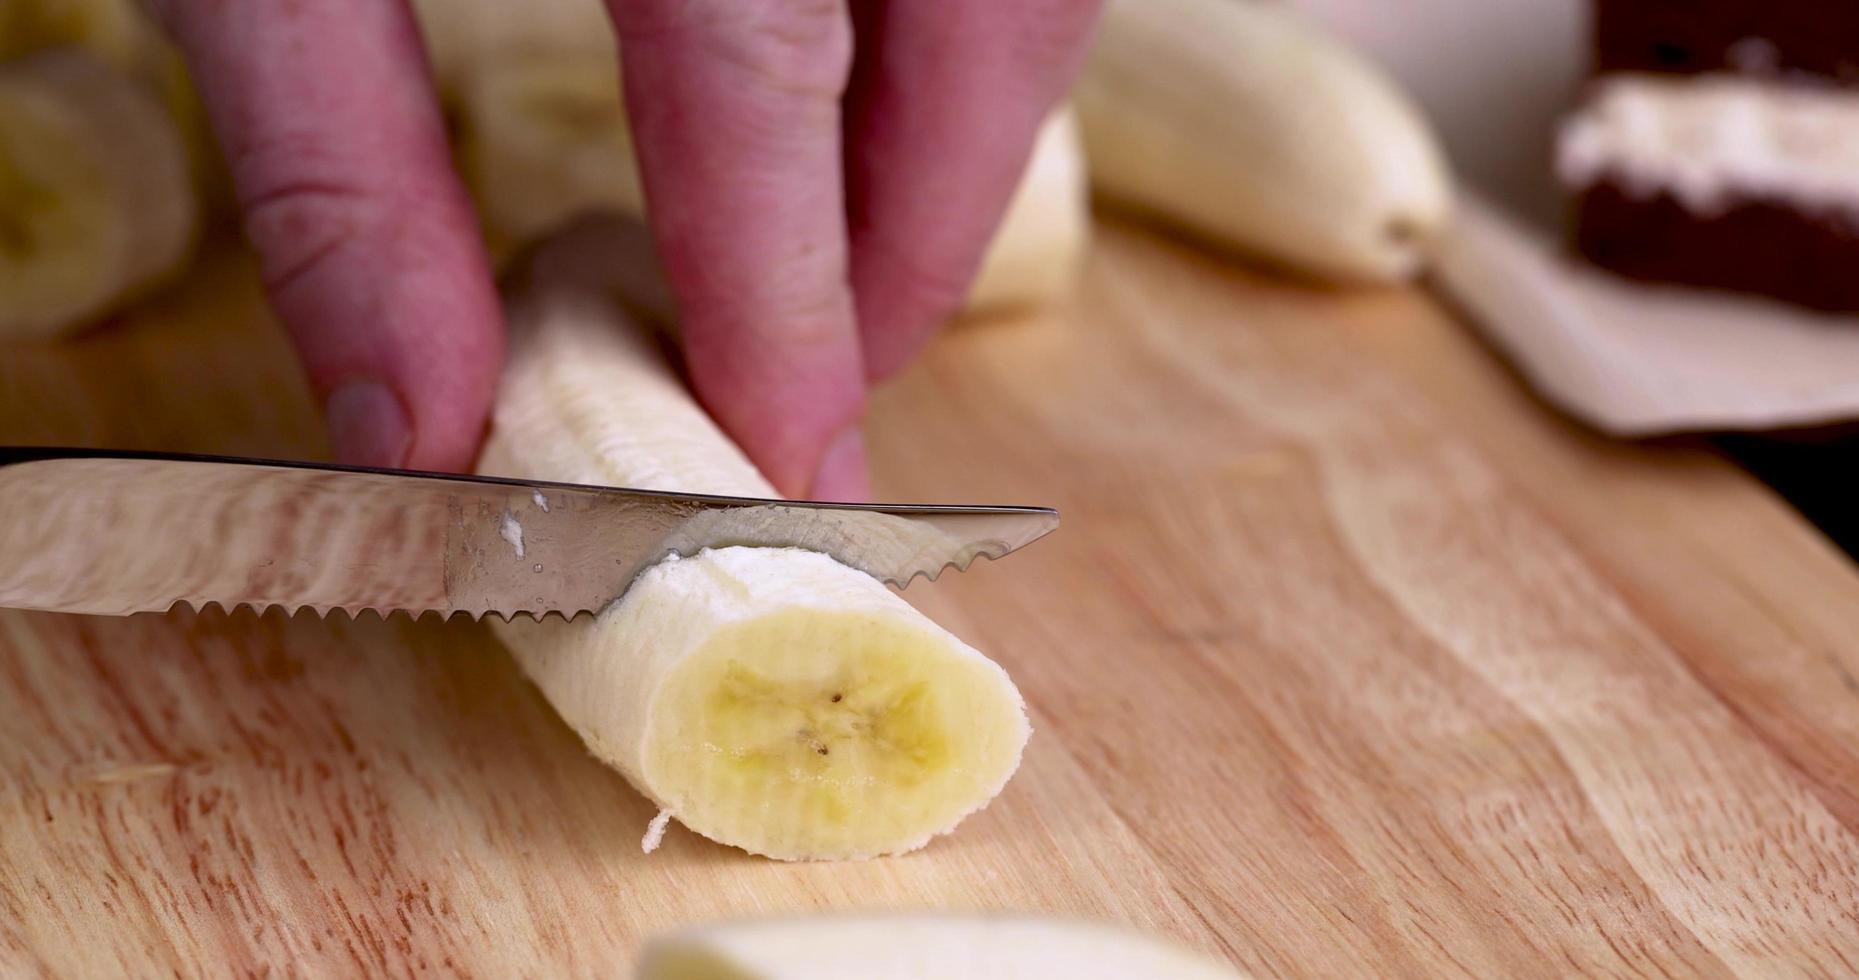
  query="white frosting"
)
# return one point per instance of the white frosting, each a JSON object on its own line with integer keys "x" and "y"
{"x": 1713, "y": 140}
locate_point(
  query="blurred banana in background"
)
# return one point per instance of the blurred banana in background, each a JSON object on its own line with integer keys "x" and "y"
{"x": 1232, "y": 120}
{"x": 97, "y": 201}
{"x": 105, "y": 162}
{"x": 1236, "y": 121}
{"x": 121, "y": 35}
{"x": 1242, "y": 124}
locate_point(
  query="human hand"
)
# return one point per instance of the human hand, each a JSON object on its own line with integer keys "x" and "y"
{"x": 817, "y": 214}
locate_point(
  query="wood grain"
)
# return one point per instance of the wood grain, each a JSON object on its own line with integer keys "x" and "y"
{"x": 1349, "y": 660}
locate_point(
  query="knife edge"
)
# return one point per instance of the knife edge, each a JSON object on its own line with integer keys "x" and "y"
{"x": 120, "y": 531}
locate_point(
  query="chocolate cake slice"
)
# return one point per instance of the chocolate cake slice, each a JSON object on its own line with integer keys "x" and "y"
{"x": 1719, "y": 180}
{"x": 1690, "y": 36}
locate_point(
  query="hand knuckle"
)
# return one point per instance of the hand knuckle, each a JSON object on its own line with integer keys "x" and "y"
{"x": 803, "y": 46}
{"x": 299, "y": 212}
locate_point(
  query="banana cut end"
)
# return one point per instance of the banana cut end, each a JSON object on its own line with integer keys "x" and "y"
{"x": 826, "y": 730}
{"x": 770, "y": 698}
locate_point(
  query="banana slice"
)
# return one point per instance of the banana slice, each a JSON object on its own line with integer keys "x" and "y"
{"x": 1241, "y": 123}
{"x": 769, "y": 698}
{"x": 121, "y": 34}
{"x": 96, "y": 202}
{"x": 920, "y": 947}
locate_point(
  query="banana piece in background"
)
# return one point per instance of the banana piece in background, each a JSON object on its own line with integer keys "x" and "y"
{"x": 1237, "y": 122}
{"x": 1244, "y": 125}
{"x": 122, "y": 35}
{"x": 1234, "y": 121}
{"x": 921, "y": 947}
{"x": 97, "y": 201}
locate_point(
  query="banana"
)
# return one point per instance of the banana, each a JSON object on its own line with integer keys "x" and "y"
{"x": 920, "y": 947}
{"x": 96, "y": 202}
{"x": 122, "y": 35}
{"x": 768, "y": 698}
{"x": 1244, "y": 125}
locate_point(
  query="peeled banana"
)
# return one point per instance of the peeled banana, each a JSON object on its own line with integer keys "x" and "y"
{"x": 96, "y": 199}
{"x": 920, "y": 947}
{"x": 1241, "y": 123}
{"x": 768, "y": 698}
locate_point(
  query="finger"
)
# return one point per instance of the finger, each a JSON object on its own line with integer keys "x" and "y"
{"x": 946, "y": 99}
{"x": 364, "y": 234}
{"x": 735, "y": 113}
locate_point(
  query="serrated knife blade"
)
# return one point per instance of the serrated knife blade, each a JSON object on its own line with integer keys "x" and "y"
{"x": 114, "y": 533}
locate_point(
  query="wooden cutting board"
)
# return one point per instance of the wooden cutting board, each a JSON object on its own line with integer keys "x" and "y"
{"x": 1348, "y": 660}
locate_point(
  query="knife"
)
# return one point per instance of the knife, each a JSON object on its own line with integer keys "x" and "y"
{"x": 114, "y": 533}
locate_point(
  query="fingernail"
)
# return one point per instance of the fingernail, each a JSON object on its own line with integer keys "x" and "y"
{"x": 367, "y": 426}
{"x": 842, "y": 475}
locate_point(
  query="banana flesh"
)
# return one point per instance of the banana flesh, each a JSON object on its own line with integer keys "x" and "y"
{"x": 920, "y": 947}
{"x": 97, "y": 203}
{"x": 768, "y": 698}
{"x": 1240, "y": 123}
